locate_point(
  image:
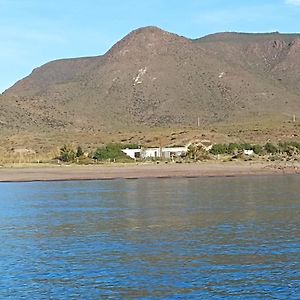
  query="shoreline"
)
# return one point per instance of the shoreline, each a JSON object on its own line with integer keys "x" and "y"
{"x": 140, "y": 171}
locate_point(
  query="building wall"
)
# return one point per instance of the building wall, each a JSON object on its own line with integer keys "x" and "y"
{"x": 151, "y": 152}
{"x": 133, "y": 153}
{"x": 173, "y": 152}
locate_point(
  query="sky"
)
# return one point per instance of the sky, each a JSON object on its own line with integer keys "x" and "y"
{"x": 34, "y": 32}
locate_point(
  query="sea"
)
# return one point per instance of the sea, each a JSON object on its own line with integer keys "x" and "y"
{"x": 187, "y": 238}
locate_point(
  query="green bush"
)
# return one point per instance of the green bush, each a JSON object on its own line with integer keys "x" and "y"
{"x": 295, "y": 144}
{"x": 111, "y": 151}
{"x": 283, "y": 147}
{"x": 270, "y": 148}
{"x": 219, "y": 149}
{"x": 246, "y": 146}
{"x": 129, "y": 146}
{"x": 258, "y": 149}
{"x": 290, "y": 148}
{"x": 233, "y": 148}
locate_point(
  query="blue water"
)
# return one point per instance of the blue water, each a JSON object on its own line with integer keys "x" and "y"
{"x": 205, "y": 238}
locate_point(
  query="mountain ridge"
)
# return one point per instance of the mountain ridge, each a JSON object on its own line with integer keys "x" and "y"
{"x": 154, "y": 78}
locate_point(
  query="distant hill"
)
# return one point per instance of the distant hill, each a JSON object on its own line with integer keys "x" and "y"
{"x": 153, "y": 78}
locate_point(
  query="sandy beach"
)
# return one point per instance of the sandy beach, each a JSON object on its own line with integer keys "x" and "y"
{"x": 130, "y": 171}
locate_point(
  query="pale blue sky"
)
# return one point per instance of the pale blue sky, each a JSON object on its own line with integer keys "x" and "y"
{"x": 33, "y": 32}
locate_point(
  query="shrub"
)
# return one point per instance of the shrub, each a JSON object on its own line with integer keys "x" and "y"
{"x": 128, "y": 146}
{"x": 111, "y": 151}
{"x": 79, "y": 152}
{"x": 258, "y": 149}
{"x": 233, "y": 148}
{"x": 246, "y": 146}
{"x": 294, "y": 144}
{"x": 219, "y": 149}
{"x": 290, "y": 148}
{"x": 197, "y": 152}
{"x": 270, "y": 148}
{"x": 67, "y": 154}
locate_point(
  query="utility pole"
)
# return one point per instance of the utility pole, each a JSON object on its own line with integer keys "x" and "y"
{"x": 198, "y": 122}
{"x": 294, "y": 118}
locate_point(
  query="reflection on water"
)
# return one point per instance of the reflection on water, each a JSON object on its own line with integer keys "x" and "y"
{"x": 151, "y": 239}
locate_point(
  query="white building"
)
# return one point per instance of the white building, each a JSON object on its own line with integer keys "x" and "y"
{"x": 164, "y": 152}
{"x": 133, "y": 153}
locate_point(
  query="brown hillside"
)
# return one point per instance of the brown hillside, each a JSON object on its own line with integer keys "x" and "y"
{"x": 159, "y": 79}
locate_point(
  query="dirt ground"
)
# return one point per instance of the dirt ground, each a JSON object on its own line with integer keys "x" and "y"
{"x": 130, "y": 171}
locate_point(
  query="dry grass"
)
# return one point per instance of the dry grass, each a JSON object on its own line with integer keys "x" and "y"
{"x": 46, "y": 145}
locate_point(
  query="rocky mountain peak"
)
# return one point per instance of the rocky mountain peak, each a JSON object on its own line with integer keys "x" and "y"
{"x": 149, "y": 39}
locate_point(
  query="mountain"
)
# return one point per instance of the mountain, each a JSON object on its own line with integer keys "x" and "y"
{"x": 153, "y": 78}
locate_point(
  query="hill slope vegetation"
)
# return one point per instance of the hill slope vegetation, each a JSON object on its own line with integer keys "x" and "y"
{"x": 153, "y": 78}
